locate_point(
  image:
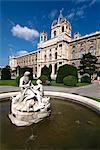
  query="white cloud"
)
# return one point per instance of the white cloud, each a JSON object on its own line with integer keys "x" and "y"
{"x": 21, "y": 52}
{"x": 53, "y": 13}
{"x": 80, "y": 13}
{"x": 92, "y": 3}
{"x": 71, "y": 15}
{"x": 24, "y": 32}
{"x": 76, "y": 13}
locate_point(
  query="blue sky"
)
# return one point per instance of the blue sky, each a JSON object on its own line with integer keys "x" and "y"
{"x": 22, "y": 21}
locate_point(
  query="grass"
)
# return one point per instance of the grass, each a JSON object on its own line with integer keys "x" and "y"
{"x": 8, "y": 82}
{"x": 53, "y": 83}
{"x": 12, "y": 82}
{"x": 94, "y": 98}
{"x": 81, "y": 84}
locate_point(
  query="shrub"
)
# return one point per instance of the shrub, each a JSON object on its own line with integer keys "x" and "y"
{"x": 66, "y": 70}
{"x": 85, "y": 79}
{"x": 44, "y": 79}
{"x": 5, "y": 73}
{"x": 47, "y": 72}
{"x": 98, "y": 73}
{"x": 70, "y": 80}
{"x": 50, "y": 68}
{"x": 86, "y": 74}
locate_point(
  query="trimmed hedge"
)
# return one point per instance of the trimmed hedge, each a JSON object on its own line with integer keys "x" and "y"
{"x": 23, "y": 70}
{"x": 44, "y": 79}
{"x": 85, "y": 79}
{"x": 5, "y": 73}
{"x": 86, "y": 74}
{"x": 47, "y": 72}
{"x": 70, "y": 80}
{"x": 66, "y": 70}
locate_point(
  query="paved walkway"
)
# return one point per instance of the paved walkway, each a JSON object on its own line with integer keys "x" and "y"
{"x": 92, "y": 90}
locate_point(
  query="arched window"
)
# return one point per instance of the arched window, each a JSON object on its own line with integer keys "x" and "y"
{"x": 81, "y": 52}
{"x": 45, "y": 38}
{"x": 60, "y": 46}
{"x": 41, "y": 38}
{"x": 73, "y": 54}
{"x": 55, "y": 68}
{"x": 91, "y": 50}
{"x": 54, "y": 33}
{"x": 56, "y": 55}
{"x": 63, "y": 29}
{"x": 45, "y": 57}
{"x": 73, "y": 63}
{"x": 50, "y": 56}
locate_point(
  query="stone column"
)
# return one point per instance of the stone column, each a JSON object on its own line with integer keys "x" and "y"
{"x": 52, "y": 74}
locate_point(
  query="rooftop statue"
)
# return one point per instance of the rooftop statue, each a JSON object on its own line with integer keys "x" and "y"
{"x": 30, "y": 105}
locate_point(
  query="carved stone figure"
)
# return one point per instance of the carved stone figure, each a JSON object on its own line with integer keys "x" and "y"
{"x": 30, "y": 105}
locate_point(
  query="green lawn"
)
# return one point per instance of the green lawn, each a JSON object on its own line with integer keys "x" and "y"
{"x": 94, "y": 98}
{"x": 53, "y": 83}
{"x": 12, "y": 82}
{"x": 8, "y": 82}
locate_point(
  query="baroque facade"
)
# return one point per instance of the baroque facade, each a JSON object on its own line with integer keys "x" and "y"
{"x": 60, "y": 49}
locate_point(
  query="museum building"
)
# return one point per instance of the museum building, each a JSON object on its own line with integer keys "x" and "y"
{"x": 60, "y": 49}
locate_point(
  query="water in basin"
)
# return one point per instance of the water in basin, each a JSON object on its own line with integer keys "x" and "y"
{"x": 70, "y": 126}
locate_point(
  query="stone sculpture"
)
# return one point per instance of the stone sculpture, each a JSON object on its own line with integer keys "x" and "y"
{"x": 29, "y": 106}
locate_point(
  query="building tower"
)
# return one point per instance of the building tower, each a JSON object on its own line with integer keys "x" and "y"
{"x": 61, "y": 27}
{"x": 43, "y": 37}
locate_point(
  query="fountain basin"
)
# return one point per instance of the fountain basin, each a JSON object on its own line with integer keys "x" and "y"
{"x": 70, "y": 126}
{"x": 94, "y": 105}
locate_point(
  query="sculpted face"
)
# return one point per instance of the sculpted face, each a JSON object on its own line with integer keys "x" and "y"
{"x": 26, "y": 76}
{"x": 38, "y": 81}
{"x": 26, "y": 79}
{"x": 27, "y": 73}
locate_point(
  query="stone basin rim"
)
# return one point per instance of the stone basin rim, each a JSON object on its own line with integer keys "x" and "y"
{"x": 94, "y": 105}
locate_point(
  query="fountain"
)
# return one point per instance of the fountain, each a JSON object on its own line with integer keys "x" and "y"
{"x": 29, "y": 106}
{"x": 70, "y": 126}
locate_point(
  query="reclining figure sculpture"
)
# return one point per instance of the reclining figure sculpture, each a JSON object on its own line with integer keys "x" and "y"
{"x": 30, "y": 105}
